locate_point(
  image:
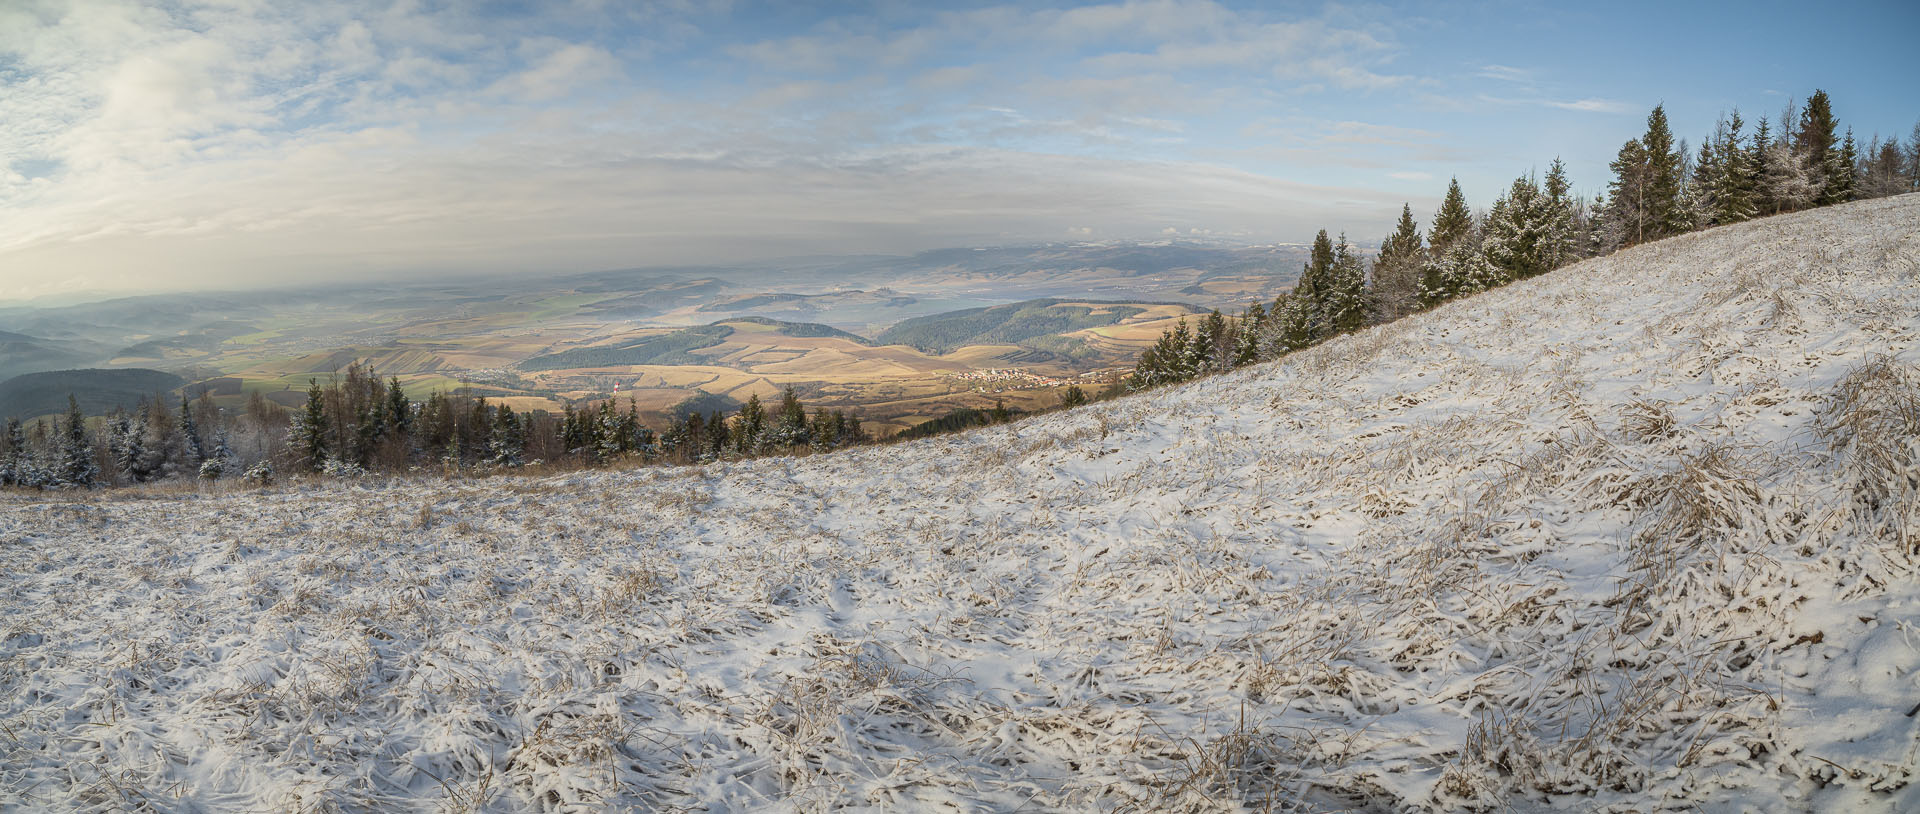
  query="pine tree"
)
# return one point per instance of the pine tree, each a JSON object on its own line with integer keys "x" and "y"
{"x": 509, "y": 441}
{"x": 125, "y": 447}
{"x": 1396, "y": 270}
{"x": 1452, "y": 223}
{"x": 1204, "y": 352}
{"x": 1178, "y": 356}
{"x": 750, "y": 435}
{"x": 1345, "y": 301}
{"x": 308, "y": 436}
{"x": 1461, "y": 271}
{"x": 1516, "y": 239}
{"x": 1293, "y": 317}
{"x": 13, "y": 462}
{"x": 1707, "y": 173}
{"x": 720, "y": 438}
{"x": 77, "y": 468}
{"x": 1648, "y": 185}
{"x": 1815, "y": 143}
{"x": 1072, "y": 397}
{"x": 609, "y": 434}
{"x": 999, "y": 415}
{"x": 821, "y": 433}
{"x": 789, "y": 422}
{"x": 1737, "y": 185}
{"x": 220, "y": 461}
{"x": 1247, "y": 334}
{"x": 1149, "y": 371}
{"x": 1789, "y": 184}
{"x": 1840, "y": 173}
{"x": 1760, "y": 165}
{"x": 399, "y": 411}
{"x": 192, "y": 454}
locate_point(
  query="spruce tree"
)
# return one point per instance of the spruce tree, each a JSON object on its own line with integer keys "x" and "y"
{"x": 1737, "y": 184}
{"x": 1345, "y": 303}
{"x": 1452, "y": 222}
{"x": 509, "y": 440}
{"x": 1815, "y": 143}
{"x": 1517, "y": 231}
{"x": 1246, "y": 343}
{"x": 1707, "y": 174}
{"x": 1665, "y": 213}
{"x": 192, "y": 454}
{"x": 1840, "y": 173}
{"x": 1760, "y": 168}
{"x": 1178, "y": 357}
{"x": 750, "y": 434}
{"x": 308, "y": 436}
{"x": 399, "y": 411}
{"x": 13, "y": 461}
{"x": 821, "y": 433}
{"x": 1396, "y": 270}
{"x": 604, "y": 435}
{"x": 1293, "y": 317}
{"x": 1557, "y": 228}
{"x": 220, "y": 461}
{"x": 77, "y": 467}
{"x": 1461, "y": 271}
{"x": 720, "y": 437}
{"x": 125, "y": 446}
{"x": 1072, "y": 397}
{"x": 789, "y": 422}
{"x": 1204, "y": 353}
{"x": 999, "y": 415}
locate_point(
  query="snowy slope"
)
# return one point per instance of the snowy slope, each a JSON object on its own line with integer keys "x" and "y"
{"x": 1637, "y": 535}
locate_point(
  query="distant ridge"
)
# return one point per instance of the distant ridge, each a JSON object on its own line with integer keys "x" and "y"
{"x": 1008, "y": 324}
{"x": 98, "y": 390}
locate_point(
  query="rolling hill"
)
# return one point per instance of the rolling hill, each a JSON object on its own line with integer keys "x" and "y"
{"x": 676, "y": 347}
{"x": 1009, "y": 324}
{"x": 1635, "y": 535}
{"x": 96, "y": 390}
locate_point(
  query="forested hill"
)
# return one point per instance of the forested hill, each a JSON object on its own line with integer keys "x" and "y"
{"x": 1008, "y": 324}
{"x": 97, "y": 390}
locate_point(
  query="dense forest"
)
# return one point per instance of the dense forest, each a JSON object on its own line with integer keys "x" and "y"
{"x": 355, "y": 423}
{"x": 1659, "y": 189}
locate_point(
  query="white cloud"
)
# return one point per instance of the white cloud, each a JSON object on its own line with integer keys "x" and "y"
{"x": 1592, "y": 106}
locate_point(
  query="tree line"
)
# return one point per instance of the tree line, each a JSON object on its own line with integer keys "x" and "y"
{"x": 357, "y": 423}
{"x": 1659, "y": 189}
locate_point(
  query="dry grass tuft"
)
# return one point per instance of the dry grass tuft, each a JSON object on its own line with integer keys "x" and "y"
{"x": 1871, "y": 420}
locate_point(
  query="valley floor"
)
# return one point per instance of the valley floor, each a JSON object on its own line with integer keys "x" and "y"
{"x": 1641, "y": 534}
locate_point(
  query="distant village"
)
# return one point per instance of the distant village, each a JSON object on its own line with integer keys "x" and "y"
{"x": 1016, "y": 378}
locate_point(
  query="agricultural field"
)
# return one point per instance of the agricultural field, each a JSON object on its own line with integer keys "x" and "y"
{"x": 897, "y": 341}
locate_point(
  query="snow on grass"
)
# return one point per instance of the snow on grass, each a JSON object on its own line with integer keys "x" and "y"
{"x": 1636, "y": 535}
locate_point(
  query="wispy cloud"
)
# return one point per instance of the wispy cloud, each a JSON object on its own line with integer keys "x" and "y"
{"x": 1592, "y": 106}
{"x": 204, "y": 140}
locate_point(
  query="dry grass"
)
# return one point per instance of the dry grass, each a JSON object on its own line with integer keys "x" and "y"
{"x": 1418, "y": 569}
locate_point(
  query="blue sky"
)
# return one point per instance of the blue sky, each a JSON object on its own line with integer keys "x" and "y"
{"x": 245, "y": 142}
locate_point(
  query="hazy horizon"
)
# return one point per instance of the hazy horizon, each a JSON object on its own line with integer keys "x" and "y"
{"x": 228, "y": 145}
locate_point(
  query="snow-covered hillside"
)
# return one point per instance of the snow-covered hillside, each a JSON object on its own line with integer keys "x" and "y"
{"x": 1642, "y": 534}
